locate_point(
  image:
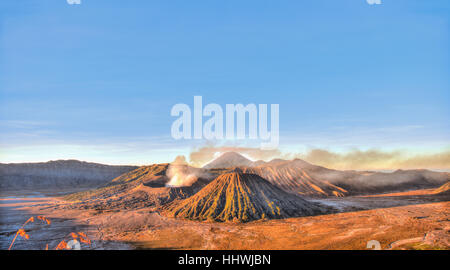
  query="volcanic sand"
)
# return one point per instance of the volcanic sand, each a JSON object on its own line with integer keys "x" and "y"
{"x": 399, "y": 221}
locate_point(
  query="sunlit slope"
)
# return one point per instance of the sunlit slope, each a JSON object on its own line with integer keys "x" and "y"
{"x": 143, "y": 173}
{"x": 298, "y": 180}
{"x": 242, "y": 197}
{"x": 152, "y": 174}
{"x": 444, "y": 189}
{"x": 143, "y": 187}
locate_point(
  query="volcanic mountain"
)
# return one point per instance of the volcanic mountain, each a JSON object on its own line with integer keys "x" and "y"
{"x": 292, "y": 176}
{"x": 300, "y": 177}
{"x": 242, "y": 197}
{"x": 229, "y": 160}
{"x": 381, "y": 182}
{"x": 296, "y": 176}
{"x": 143, "y": 187}
{"x": 304, "y": 178}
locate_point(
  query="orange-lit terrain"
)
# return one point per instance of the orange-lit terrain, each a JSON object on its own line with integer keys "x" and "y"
{"x": 416, "y": 226}
{"x": 276, "y": 205}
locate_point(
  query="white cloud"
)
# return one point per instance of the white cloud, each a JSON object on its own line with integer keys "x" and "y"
{"x": 372, "y": 2}
{"x": 71, "y": 2}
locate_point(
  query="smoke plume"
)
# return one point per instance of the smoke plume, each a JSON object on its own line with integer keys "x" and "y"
{"x": 181, "y": 174}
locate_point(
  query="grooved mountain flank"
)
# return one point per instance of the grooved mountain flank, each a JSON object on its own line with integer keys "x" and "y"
{"x": 444, "y": 189}
{"x": 143, "y": 174}
{"x": 296, "y": 176}
{"x": 242, "y": 197}
{"x": 298, "y": 180}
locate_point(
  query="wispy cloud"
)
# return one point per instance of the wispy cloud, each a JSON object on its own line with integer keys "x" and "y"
{"x": 22, "y": 124}
{"x": 378, "y": 160}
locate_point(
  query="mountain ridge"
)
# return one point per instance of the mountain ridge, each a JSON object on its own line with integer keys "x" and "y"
{"x": 57, "y": 174}
{"x": 301, "y": 177}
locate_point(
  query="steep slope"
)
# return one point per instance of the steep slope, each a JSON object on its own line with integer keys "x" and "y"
{"x": 242, "y": 197}
{"x": 443, "y": 190}
{"x": 304, "y": 178}
{"x": 152, "y": 175}
{"x": 229, "y": 160}
{"x": 143, "y": 187}
{"x": 57, "y": 175}
{"x": 293, "y": 176}
{"x": 300, "y": 177}
{"x": 300, "y": 182}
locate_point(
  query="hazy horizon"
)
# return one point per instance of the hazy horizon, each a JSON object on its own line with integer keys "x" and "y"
{"x": 252, "y": 159}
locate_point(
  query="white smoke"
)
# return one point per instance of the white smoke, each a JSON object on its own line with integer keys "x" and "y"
{"x": 179, "y": 179}
{"x": 181, "y": 174}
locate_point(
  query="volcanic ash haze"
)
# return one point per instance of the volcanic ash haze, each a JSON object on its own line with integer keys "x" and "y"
{"x": 240, "y": 197}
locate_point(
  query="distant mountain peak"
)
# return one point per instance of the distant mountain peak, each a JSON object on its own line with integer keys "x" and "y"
{"x": 229, "y": 154}
{"x": 229, "y": 160}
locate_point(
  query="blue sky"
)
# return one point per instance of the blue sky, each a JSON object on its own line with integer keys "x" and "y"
{"x": 97, "y": 81}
